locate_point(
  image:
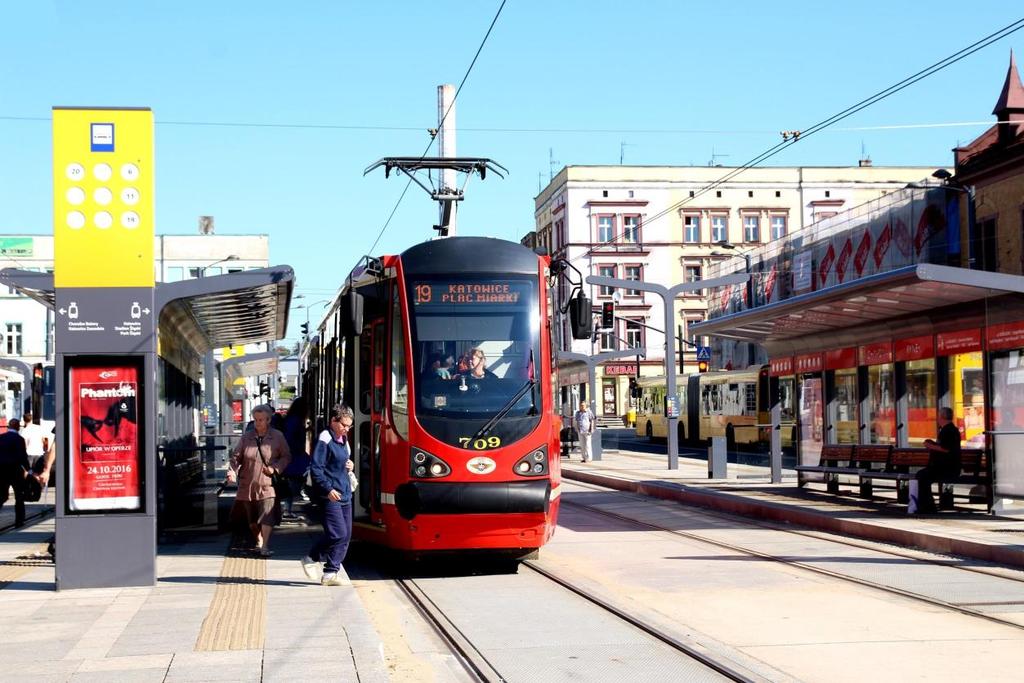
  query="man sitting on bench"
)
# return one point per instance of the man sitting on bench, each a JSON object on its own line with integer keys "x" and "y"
{"x": 943, "y": 461}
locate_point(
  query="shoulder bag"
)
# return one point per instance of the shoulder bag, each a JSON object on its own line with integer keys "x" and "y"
{"x": 281, "y": 488}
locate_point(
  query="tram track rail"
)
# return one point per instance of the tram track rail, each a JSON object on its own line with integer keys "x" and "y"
{"x": 466, "y": 653}
{"x": 805, "y": 566}
{"x": 477, "y": 665}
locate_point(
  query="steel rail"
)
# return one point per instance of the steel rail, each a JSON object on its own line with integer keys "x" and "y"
{"x": 935, "y": 602}
{"x": 467, "y": 654}
{"x": 649, "y": 629}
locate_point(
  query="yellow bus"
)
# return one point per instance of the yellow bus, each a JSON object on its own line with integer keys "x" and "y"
{"x": 732, "y": 403}
{"x": 650, "y": 411}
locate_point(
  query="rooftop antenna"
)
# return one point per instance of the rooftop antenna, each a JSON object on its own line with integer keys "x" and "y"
{"x": 715, "y": 157}
{"x": 622, "y": 150}
{"x": 551, "y": 164}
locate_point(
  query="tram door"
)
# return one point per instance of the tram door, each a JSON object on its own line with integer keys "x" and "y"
{"x": 378, "y": 375}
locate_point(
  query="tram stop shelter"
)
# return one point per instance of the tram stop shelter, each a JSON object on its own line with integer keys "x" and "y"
{"x": 865, "y": 349}
{"x": 193, "y": 317}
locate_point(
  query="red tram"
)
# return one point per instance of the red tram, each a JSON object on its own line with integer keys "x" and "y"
{"x": 444, "y": 353}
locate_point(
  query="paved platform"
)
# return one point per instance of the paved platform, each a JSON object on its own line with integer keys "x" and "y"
{"x": 214, "y": 614}
{"x": 967, "y": 531}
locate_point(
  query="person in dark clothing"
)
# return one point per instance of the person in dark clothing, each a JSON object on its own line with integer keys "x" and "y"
{"x": 330, "y": 469}
{"x": 295, "y": 435}
{"x": 943, "y": 461}
{"x": 14, "y": 468}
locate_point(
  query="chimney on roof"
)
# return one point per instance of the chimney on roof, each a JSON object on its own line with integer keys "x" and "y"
{"x": 1009, "y": 110}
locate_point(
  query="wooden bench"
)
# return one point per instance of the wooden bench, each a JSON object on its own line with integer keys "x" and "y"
{"x": 906, "y": 462}
{"x": 829, "y": 464}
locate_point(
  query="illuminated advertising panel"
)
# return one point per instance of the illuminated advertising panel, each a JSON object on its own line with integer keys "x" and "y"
{"x": 104, "y": 440}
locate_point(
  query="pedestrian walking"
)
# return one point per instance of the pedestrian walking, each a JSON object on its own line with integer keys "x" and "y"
{"x": 332, "y": 484}
{"x": 259, "y": 456}
{"x": 34, "y": 437}
{"x": 14, "y": 468}
{"x": 585, "y": 422}
{"x": 298, "y": 468}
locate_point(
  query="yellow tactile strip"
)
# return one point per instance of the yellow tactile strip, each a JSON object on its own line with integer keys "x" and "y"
{"x": 237, "y": 616}
{"x": 12, "y": 570}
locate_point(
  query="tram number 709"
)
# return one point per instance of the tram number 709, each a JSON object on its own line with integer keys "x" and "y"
{"x": 480, "y": 444}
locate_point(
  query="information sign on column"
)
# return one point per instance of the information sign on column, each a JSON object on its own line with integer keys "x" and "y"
{"x": 103, "y": 437}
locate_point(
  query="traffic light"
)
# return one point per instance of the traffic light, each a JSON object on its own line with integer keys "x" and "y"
{"x": 264, "y": 389}
{"x": 634, "y": 390}
{"x": 305, "y": 329}
{"x": 581, "y": 317}
{"x": 608, "y": 315}
{"x": 702, "y": 366}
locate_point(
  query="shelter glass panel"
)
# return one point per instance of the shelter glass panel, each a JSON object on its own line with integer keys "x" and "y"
{"x": 846, "y": 406}
{"x": 967, "y": 389}
{"x": 1008, "y": 421}
{"x": 812, "y": 418}
{"x": 922, "y": 401}
{"x": 882, "y": 404}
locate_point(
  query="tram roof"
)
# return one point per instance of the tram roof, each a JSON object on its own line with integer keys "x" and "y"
{"x": 902, "y": 292}
{"x": 246, "y": 307}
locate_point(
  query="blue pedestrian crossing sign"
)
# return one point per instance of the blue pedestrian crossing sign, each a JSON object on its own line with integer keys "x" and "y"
{"x": 703, "y": 353}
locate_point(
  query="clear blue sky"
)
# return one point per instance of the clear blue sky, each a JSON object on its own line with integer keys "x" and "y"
{"x": 744, "y": 70}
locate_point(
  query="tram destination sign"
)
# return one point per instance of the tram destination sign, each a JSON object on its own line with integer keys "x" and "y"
{"x": 470, "y": 293}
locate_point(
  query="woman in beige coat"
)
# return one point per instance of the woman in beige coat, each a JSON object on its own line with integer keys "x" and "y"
{"x": 260, "y": 454}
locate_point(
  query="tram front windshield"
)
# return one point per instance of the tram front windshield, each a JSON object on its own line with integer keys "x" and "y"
{"x": 475, "y": 344}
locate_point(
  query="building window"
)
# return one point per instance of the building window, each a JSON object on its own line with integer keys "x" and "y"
{"x": 605, "y": 228}
{"x": 633, "y": 273}
{"x": 12, "y": 342}
{"x": 606, "y": 271}
{"x": 631, "y": 229}
{"x": 778, "y": 227}
{"x": 559, "y": 234}
{"x": 693, "y": 318}
{"x": 751, "y": 228}
{"x": 691, "y": 228}
{"x": 719, "y": 228}
{"x": 634, "y": 334}
{"x": 694, "y": 274}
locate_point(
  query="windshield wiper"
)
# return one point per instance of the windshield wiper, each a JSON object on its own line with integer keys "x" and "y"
{"x": 489, "y": 425}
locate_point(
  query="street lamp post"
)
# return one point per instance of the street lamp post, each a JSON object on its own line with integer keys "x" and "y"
{"x": 668, "y": 296}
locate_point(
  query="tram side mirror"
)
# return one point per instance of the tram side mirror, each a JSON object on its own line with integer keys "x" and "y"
{"x": 581, "y": 317}
{"x": 352, "y": 314}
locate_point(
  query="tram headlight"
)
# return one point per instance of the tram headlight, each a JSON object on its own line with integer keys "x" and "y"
{"x": 423, "y": 465}
{"x": 533, "y": 464}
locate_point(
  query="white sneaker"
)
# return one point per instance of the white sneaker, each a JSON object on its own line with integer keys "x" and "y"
{"x": 333, "y": 579}
{"x": 309, "y": 566}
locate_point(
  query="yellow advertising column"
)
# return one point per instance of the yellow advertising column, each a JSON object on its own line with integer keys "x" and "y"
{"x": 105, "y": 333}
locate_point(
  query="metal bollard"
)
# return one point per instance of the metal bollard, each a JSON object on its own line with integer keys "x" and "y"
{"x": 717, "y": 458}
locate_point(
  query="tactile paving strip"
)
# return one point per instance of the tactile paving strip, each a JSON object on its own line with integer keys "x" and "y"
{"x": 237, "y": 616}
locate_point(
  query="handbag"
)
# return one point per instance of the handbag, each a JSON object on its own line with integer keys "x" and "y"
{"x": 281, "y": 487}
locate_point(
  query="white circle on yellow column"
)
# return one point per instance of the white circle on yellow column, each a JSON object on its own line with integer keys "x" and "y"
{"x": 130, "y": 220}
{"x": 76, "y": 220}
{"x": 75, "y": 195}
{"x": 103, "y": 220}
{"x": 102, "y": 172}
{"x": 129, "y": 171}
{"x": 74, "y": 172}
{"x": 103, "y": 196}
{"x": 130, "y": 196}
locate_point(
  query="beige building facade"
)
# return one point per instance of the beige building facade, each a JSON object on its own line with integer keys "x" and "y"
{"x": 666, "y": 225}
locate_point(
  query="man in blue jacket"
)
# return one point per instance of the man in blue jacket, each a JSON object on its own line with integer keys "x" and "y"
{"x": 329, "y": 471}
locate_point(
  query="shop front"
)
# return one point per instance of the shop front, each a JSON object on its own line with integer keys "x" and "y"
{"x": 871, "y": 362}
